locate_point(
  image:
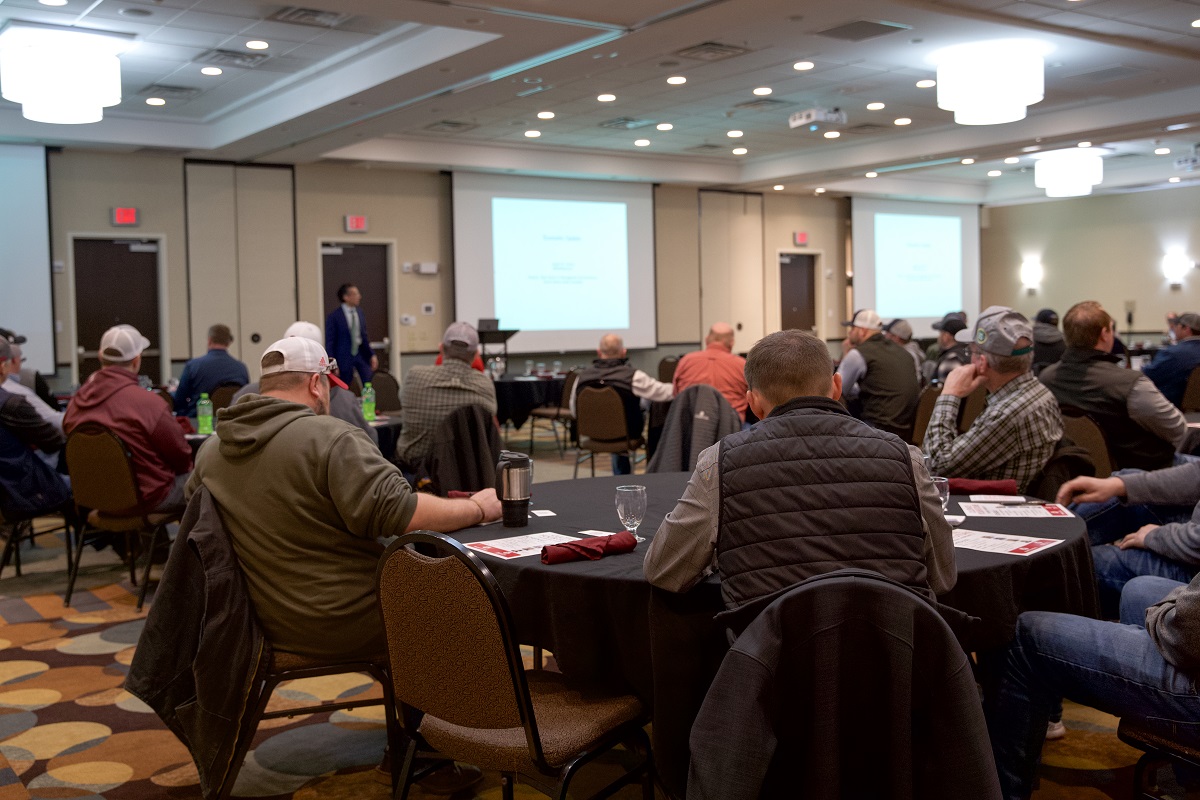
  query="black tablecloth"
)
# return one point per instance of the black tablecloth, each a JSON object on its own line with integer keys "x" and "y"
{"x": 516, "y": 397}
{"x": 605, "y": 624}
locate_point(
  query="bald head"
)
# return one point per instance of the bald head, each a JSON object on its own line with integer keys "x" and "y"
{"x": 611, "y": 346}
{"x": 720, "y": 333}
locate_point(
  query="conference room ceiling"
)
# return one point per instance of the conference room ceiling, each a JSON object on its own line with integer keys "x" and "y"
{"x": 445, "y": 85}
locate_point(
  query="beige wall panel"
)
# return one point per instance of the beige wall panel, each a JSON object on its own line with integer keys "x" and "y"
{"x": 1107, "y": 248}
{"x": 266, "y": 240}
{"x": 212, "y": 253}
{"x": 825, "y": 221}
{"x": 677, "y": 264}
{"x": 731, "y": 263}
{"x": 84, "y": 187}
{"x": 411, "y": 211}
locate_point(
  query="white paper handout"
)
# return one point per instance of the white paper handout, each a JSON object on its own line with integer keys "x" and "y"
{"x": 996, "y": 510}
{"x": 519, "y": 546}
{"x": 1001, "y": 542}
{"x": 542, "y": 512}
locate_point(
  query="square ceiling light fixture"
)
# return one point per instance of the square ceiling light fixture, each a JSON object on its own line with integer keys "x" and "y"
{"x": 991, "y": 82}
{"x": 64, "y": 76}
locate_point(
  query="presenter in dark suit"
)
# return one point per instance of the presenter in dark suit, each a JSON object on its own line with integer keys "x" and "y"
{"x": 346, "y": 338}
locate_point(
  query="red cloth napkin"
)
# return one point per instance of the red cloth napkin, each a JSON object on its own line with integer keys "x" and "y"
{"x": 591, "y": 548}
{"x": 454, "y": 494}
{"x": 968, "y": 486}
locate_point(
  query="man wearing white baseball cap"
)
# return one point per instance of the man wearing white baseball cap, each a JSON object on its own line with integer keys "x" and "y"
{"x": 112, "y": 397}
{"x": 305, "y": 498}
{"x": 878, "y": 379}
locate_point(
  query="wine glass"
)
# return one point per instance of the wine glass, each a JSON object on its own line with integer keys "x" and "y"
{"x": 631, "y": 507}
{"x": 943, "y": 489}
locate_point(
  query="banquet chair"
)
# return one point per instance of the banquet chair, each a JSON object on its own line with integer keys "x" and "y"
{"x": 222, "y": 396}
{"x": 22, "y": 529}
{"x": 602, "y": 422}
{"x": 103, "y": 480}
{"x": 1155, "y": 748}
{"x": 387, "y": 391}
{"x": 925, "y": 403}
{"x": 556, "y": 414}
{"x": 666, "y": 368}
{"x": 1191, "y": 394}
{"x": 971, "y": 408}
{"x": 445, "y": 617}
{"x": 1083, "y": 430}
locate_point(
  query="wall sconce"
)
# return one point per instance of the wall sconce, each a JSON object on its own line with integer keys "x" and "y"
{"x": 1175, "y": 266}
{"x": 1031, "y": 274}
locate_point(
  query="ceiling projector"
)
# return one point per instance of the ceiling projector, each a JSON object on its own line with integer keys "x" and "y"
{"x": 827, "y": 117}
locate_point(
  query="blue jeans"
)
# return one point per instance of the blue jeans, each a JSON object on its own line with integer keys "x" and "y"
{"x": 1116, "y": 567}
{"x": 621, "y": 465}
{"x": 1112, "y": 519}
{"x": 1114, "y": 667}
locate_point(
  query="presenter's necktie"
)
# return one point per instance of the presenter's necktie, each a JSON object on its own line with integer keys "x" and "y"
{"x": 354, "y": 332}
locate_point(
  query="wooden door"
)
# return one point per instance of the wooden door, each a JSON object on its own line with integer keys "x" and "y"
{"x": 116, "y": 282}
{"x": 366, "y": 266}
{"x": 798, "y": 303}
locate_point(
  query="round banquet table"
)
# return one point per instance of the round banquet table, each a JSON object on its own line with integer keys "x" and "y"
{"x": 606, "y": 625}
{"x": 517, "y": 396}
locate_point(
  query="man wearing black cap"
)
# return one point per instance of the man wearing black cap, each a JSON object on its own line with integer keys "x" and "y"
{"x": 878, "y": 378}
{"x": 949, "y": 353}
{"x": 1172, "y": 366}
{"x": 1048, "y": 342}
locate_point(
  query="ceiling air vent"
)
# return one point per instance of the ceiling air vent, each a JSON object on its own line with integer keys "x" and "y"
{"x": 711, "y": 51}
{"x": 706, "y": 149}
{"x": 232, "y": 58}
{"x": 862, "y": 29}
{"x": 865, "y": 129}
{"x": 309, "y": 16}
{"x": 169, "y": 92}
{"x": 451, "y": 126}
{"x": 761, "y": 104}
{"x": 1110, "y": 74}
{"x": 626, "y": 123}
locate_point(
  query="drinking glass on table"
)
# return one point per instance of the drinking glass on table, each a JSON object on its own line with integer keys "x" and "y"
{"x": 943, "y": 489}
{"x": 631, "y": 508}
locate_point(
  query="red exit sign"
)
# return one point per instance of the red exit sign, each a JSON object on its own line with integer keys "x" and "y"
{"x": 356, "y": 223}
{"x": 125, "y": 217}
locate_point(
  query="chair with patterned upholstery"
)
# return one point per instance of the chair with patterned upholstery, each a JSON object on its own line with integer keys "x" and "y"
{"x": 445, "y": 617}
{"x": 555, "y": 415}
{"x": 602, "y": 421}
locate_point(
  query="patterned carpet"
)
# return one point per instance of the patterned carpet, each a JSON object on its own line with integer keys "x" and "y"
{"x": 68, "y": 730}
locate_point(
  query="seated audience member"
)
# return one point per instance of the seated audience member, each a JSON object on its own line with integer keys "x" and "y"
{"x": 1154, "y": 531}
{"x": 1145, "y": 666}
{"x": 1142, "y": 428}
{"x": 29, "y": 450}
{"x": 343, "y": 404}
{"x": 112, "y": 397}
{"x": 807, "y": 490}
{"x": 204, "y": 374}
{"x": 12, "y": 367}
{"x": 715, "y": 366}
{"x": 305, "y": 498}
{"x": 947, "y": 353}
{"x": 901, "y": 332}
{"x": 1172, "y": 366}
{"x": 431, "y": 393}
{"x": 877, "y": 376}
{"x": 612, "y": 368}
{"x": 30, "y": 377}
{"x": 1016, "y": 432}
{"x": 1048, "y": 342}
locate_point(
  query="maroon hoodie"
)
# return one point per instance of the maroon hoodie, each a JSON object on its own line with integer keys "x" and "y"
{"x": 112, "y": 397}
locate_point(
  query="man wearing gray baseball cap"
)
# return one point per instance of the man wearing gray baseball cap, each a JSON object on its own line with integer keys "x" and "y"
{"x": 1016, "y": 432}
{"x": 878, "y": 379}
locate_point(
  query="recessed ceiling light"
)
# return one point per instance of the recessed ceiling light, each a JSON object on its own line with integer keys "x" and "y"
{"x": 832, "y": 134}
{"x": 257, "y": 44}
{"x": 641, "y": 142}
{"x": 778, "y": 187}
{"x": 677, "y": 80}
{"x": 211, "y": 70}
{"x": 739, "y": 151}
{"x": 820, "y": 190}
{"x": 53, "y": 2}
{"x": 763, "y": 91}
{"x": 872, "y": 174}
{"x": 155, "y": 101}
{"x": 1162, "y": 151}
{"x": 903, "y": 121}
{"x": 875, "y": 106}
{"x": 926, "y": 84}
{"x": 968, "y": 161}
{"x": 1172, "y": 180}
{"x": 803, "y": 66}
{"x": 664, "y": 126}
{"x": 545, "y": 115}
{"x": 1196, "y": 23}
{"x": 994, "y": 173}
{"x": 532, "y": 134}
{"x": 1012, "y": 160}
{"x": 734, "y": 134}
{"x": 606, "y": 98}
{"x": 1084, "y": 144}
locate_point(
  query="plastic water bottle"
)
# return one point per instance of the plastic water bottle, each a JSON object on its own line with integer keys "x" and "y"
{"x": 204, "y": 414}
{"x": 368, "y": 402}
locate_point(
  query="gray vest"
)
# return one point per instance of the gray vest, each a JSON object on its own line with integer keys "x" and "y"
{"x": 810, "y": 490}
